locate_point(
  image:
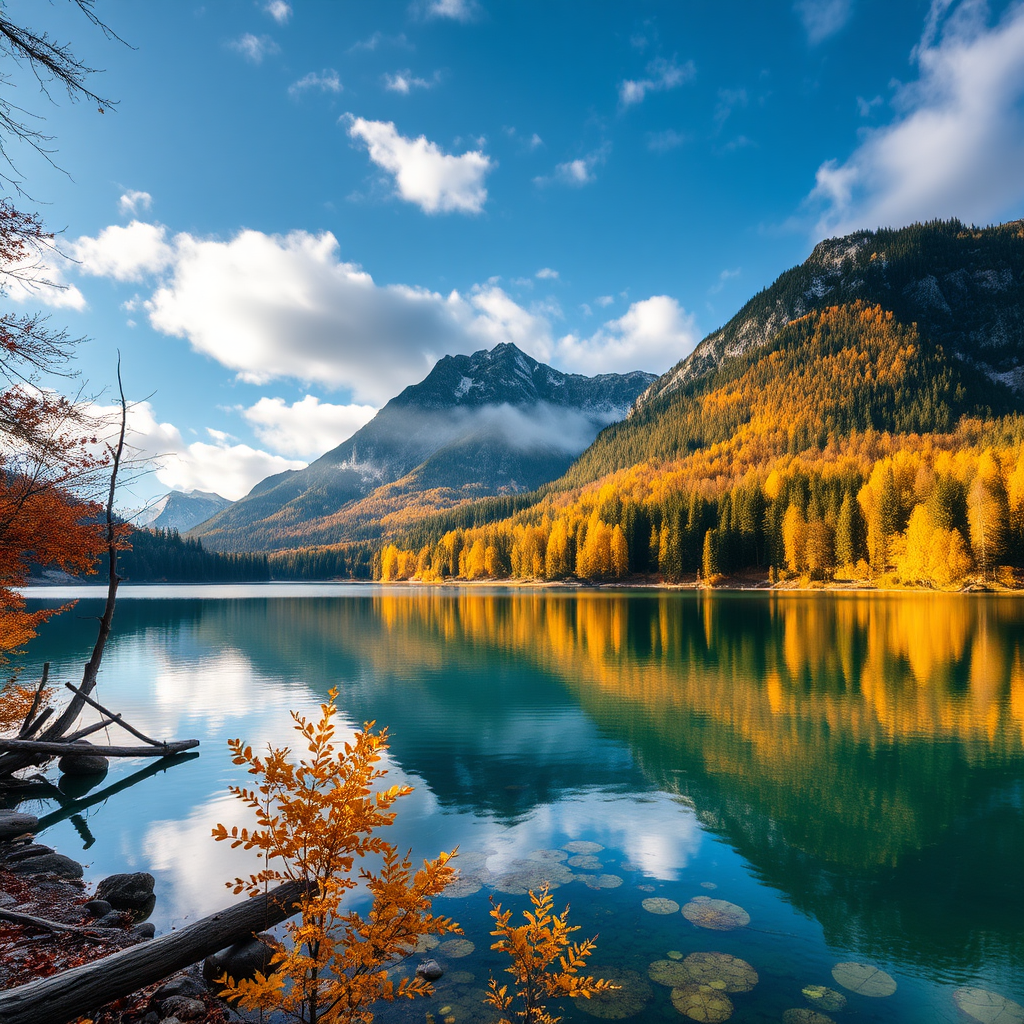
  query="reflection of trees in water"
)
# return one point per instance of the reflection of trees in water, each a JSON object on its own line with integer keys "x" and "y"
{"x": 860, "y": 751}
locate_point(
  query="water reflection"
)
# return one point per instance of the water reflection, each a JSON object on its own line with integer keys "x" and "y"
{"x": 862, "y": 755}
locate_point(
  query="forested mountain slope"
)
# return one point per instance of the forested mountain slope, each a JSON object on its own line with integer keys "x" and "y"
{"x": 495, "y": 422}
{"x": 862, "y": 414}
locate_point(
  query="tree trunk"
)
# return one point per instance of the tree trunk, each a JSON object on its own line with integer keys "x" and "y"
{"x": 65, "y": 997}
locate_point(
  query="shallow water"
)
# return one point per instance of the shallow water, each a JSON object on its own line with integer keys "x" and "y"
{"x": 848, "y": 769}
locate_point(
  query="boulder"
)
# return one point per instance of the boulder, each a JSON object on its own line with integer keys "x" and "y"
{"x": 183, "y": 1007}
{"x": 144, "y": 931}
{"x": 97, "y": 908}
{"x": 429, "y": 970}
{"x": 14, "y": 823}
{"x": 131, "y": 891}
{"x": 242, "y": 960}
{"x": 82, "y": 764}
{"x": 182, "y": 985}
{"x": 31, "y": 850}
{"x": 55, "y": 863}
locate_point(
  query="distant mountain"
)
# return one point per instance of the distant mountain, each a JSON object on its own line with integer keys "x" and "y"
{"x": 181, "y": 510}
{"x": 495, "y": 422}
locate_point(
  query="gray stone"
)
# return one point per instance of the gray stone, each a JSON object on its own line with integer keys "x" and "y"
{"x": 97, "y": 908}
{"x": 143, "y": 931}
{"x": 182, "y": 985}
{"x": 429, "y": 970}
{"x": 112, "y": 919}
{"x": 30, "y": 850}
{"x": 183, "y": 1007}
{"x": 55, "y": 863}
{"x": 127, "y": 891}
{"x": 151, "y": 1018}
{"x": 82, "y": 764}
{"x": 14, "y": 823}
{"x": 242, "y": 960}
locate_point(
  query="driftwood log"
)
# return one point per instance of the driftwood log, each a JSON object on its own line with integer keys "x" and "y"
{"x": 63, "y": 748}
{"x": 65, "y": 997}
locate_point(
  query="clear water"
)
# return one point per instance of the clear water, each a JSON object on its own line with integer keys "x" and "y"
{"x": 849, "y": 769}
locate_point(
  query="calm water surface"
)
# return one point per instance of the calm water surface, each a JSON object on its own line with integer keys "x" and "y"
{"x": 847, "y": 769}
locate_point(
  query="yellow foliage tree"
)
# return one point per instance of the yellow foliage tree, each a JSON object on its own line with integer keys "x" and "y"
{"x": 545, "y": 963}
{"x": 316, "y": 819}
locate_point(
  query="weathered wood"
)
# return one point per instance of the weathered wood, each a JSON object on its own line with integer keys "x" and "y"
{"x": 64, "y": 997}
{"x": 114, "y": 718}
{"x": 36, "y": 724}
{"x": 63, "y": 748}
{"x": 88, "y": 731}
{"x": 50, "y": 926}
{"x": 26, "y": 726}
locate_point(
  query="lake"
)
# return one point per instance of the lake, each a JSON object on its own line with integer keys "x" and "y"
{"x": 845, "y": 772}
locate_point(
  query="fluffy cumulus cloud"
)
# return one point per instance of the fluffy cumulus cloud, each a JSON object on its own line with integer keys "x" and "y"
{"x": 576, "y": 173}
{"x": 125, "y": 253}
{"x": 134, "y": 202}
{"x": 326, "y": 81}
{"x": 423, "y": 173}
{"x": 823, "y": 18}
{"x": 652, "y": 335}
{"x": 218, "y": 465}
{"x": 956, "y": 145}
{"x": 279, "y": 10}
{"x": 662, "y": 75}
{"x": 288, "y": 307}
{"x": 308, "y": 428}
{"x": 455, "y": 10}
{"x": 254, "y": 48}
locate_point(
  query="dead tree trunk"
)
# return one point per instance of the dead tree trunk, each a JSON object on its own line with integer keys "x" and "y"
{"x": 64, "y": 997}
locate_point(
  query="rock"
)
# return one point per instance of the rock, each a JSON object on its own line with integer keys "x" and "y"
{"x": 56, "y": 863}
{"x": 127, "y": 891}
{"x": 171, "y": 1020}
{"x": 242, "y": 960}
{"x": 429, "y": 970}
{"x": 144, "y": 931}
{"x": 182, "y": 985}
{"x": 112, "y": 919}
{"x": 31, "y": 850}
{"x": 14, "y": 823}
{"x": 97, "y": 908}
{"x": 82, "y": 764}
{"x": 151, "y": 1018}
{"x": 183, "y": 1007}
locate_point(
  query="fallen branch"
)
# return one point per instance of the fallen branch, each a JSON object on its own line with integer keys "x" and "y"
{"x": 63, "y": 748}
{"x": 50, "y": 926}
{"x": 26, "y": 726}
{"x": 114, "y": 718}
{"x": 66, "y": 996}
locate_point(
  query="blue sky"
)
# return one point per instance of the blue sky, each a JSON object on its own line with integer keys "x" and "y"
{"x": 297, "y": 207}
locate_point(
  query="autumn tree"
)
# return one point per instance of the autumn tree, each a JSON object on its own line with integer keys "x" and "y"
{"x": 317, "y": 819}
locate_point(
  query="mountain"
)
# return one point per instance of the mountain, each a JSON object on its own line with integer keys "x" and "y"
{"x": 181, "y": 510}
{"x": 863, "y": 416}
{"x": 495, "y": 422}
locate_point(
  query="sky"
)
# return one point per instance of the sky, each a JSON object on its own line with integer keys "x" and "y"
{"x": 295, "y": 208}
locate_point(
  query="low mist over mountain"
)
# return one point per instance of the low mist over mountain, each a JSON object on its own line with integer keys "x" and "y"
{"x": 181, "y": 510}
{"x": 495, "y": 422}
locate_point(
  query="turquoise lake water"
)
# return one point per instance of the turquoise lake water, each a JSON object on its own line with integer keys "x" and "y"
{"x": 848, "y": 770}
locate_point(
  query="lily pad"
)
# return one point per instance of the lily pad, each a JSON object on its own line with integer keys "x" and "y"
{"x": 702, "y": 1003}
{"x": 660, "y": 905}
{"x": 582, "y": 846}
{"x": 708, "y": 885}
{"x": 460, "y": 977}
{"x": 864, "y": 979}
{"x": 801, "y": 1015}
{"x": 718, "y": 915}
{"x": 646, "y": 888}
{"x": 824, "y": 998}
{"x": 601, "y": 881}
{"x": 988, "y": 1007}
{"x": 674, "y": 954}
{"x": 670, "y": 973}
{"x": 521, "y": 876}
{"x": 462, "y": 886}
{"x": 586, "y": 862}
{"x": 456, "y": 948}
{"x": 632, "y": 995}
{"x": 732, "y": 973}
{"x": 425, "y": 943}
{"x": 555, "y": 855}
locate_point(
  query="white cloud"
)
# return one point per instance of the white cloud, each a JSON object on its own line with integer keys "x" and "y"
{"x": 326, "y": 81}
{"x": 576, "y": 173}
{"x": 652, "y": 335}
{"x": 133, "y": 202}
{"x": 254, "y": 48}
{"x": 456, "y": 10}
{"x": 278, "y": 10}
{"x": 864, "y": 107}
{"x": 823, "y": 18}
{"x": 230, "y": 470}
{"x": 547, "y": 274}
{"x": 435, "y": 181}
{"x": 308, "y": 428}
{"x": 663, "y": 75}
{"x": 124, "y": 253}
{"x": 604, "y": 300}
{"x": 405, "y": 81}
{"x": 662, "y": 142}
{"x": 956, "y": 145}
